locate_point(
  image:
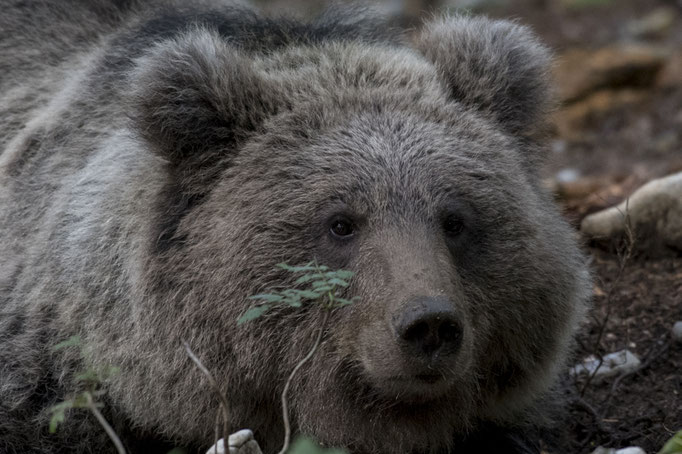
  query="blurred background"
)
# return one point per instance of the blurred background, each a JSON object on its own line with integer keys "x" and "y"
{"x": 618, "y": 75}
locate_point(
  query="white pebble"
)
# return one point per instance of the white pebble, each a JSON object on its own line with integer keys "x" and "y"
{"x": 631, "y": 450}
{"x": 677, "y": 331}
{"x": 613, "y": 364}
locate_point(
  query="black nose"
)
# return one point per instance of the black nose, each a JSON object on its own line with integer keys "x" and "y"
{"x": 429, "y": 325}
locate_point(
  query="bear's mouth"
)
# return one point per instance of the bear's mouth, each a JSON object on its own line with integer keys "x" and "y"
{"x": 429, "y": 378}
{"x": 417, "y": 388}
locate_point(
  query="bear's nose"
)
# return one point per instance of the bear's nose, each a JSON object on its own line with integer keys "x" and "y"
{"x": 430, "y": 325}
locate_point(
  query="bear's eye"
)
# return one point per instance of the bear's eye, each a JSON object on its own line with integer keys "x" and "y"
{"x": 453, "y": 225}
{"x": 341, "y": 228}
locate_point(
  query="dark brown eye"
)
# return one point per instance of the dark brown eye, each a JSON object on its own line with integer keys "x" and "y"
{"x": 341, "y": 228}
{"x": 453, "y": 226}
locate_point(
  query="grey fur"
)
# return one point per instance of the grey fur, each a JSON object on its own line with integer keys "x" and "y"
{"x": 159, "y": 160}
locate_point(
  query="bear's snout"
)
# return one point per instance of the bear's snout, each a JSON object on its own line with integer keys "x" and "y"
{"x": 428, "y": 327}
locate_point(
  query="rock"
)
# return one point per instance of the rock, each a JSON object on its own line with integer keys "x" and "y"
{"x": 677, "y": 331}
{"x": 671, "y": 74}
{"x": 580, "y": 72}
{"x": 568, "y": 175}
{"x": 653, "y": 24}
{"x": 241, "y": 442}
{"x": 631, "y": 450}
{"x": 603, "y": 450}
{"x": 654, "y": 210}
{"x": 612, "y": 364}
{"x": 572, "y": 119}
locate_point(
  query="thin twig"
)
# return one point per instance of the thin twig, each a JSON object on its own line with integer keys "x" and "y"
{"x": 595, "y": 416}
{"x": 285, "y": 406}
{"x": 650, "y": 357}
{"x": 103, "y": 422}
{"x": 216, "y": 437}
{"x": 624, "y": 256}
{"x": 216, "y": 388}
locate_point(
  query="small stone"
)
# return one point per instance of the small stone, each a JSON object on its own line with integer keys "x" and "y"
{"x": 603, "y": 450}
{"x": 567, "y": 175}
{"x": 677, "y": 331}
{"x": 653, "y": 24}
{"x": 218, "y": 448}
{"x": 631, "y": 450}
{"x": 580, "y": 72}
{"x": 613, "y": 364}
{"x": 572, "y": 119}
{"x": 655, "y": 209}
{"x": 671, "y": 74}
{"x": 241, "y": 442}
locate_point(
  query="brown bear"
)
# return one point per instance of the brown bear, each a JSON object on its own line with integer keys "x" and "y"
{"x": 158, "y": 160}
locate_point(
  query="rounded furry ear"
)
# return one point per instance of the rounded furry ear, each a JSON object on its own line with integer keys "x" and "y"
{"x": 196, "y": 94}
{"x": 494, "y": 66}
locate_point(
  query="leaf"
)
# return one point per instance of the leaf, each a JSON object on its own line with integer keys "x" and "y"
{"x": 109, "y": 371}
{"x": 253, "y": 313}
{"x": 73, "y": 341}
{"x": 87, "y": 375}
{"x": 337, "y": 281}
{"x": 59, "y": 413}
{"x": 324, "y": 289}
{"x": 304, "y": 445}
{"x": 177, "y": 451}
{"x": 309, "y": 277}
{"x": 340, "y": 302}
{"x": 55, "y": 420}
{"x": 267, "y": 297}
{"x": 674, "y": 445}
{"x": 309, "y": 294}
{"x": 341, "y": 274}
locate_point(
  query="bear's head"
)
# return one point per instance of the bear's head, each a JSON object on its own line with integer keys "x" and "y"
{"x": 414, "y": 167}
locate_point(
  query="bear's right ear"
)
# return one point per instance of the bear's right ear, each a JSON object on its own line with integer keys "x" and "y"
{"x": 196, "y": 95}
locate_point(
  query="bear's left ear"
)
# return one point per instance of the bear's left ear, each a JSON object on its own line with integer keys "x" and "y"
{"x": 497, "y": 67}
{"x": 194, "y": 97}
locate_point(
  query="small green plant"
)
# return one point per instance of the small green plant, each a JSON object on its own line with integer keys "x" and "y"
{"x": 304, "y": 445}
{"x": 674, "y": 445}
{"x": 90, "y": 379}
{"x": 323, "y": 285}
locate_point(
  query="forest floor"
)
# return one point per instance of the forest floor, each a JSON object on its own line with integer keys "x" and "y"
{"x": 620, "y": 125}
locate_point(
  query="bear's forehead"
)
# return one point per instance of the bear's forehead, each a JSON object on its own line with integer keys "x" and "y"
{"x": 404, "y": 144}
{"x": 385, "y": 162}
{"x": 325, "y": 70}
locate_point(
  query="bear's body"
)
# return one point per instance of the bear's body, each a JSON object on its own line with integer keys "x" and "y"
{"x": 158, "y": 161}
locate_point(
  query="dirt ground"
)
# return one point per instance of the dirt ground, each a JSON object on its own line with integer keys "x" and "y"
{"x": 606, "y": 157}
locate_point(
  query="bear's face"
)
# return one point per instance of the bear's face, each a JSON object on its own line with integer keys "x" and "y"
{"x": 416, "y": 172}
{"x": 464, "y": 278}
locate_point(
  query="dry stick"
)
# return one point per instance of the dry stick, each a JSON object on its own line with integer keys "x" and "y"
{"x": 624, "y": 257}
{"x": 285, "y": 406}
{"x": 103, "y": 422}
{"x": 650, "y": 357}
{"x": 216, "y": 388}
{"x": 216, "y": 437}
{"x": 595, "y": 416}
